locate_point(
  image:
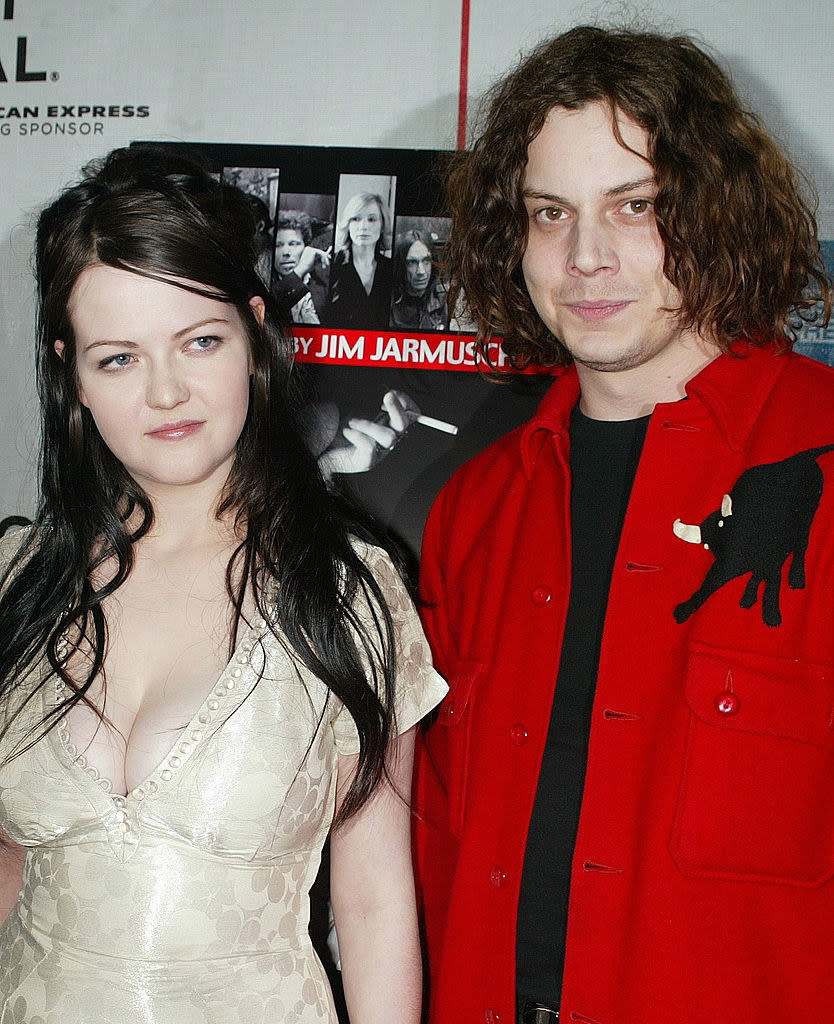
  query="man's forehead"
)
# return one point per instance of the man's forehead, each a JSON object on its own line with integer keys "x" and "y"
{"x": 591, "y": 139}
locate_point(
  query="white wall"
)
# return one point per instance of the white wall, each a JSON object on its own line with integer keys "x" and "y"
{"x": 322, "y": 72}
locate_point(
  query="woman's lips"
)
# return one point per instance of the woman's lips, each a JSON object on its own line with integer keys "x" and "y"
{"x": 176, "y": 431}
{"x": 599, "y": 310}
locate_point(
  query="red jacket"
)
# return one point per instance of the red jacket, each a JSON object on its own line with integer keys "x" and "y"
{"x": 702, "y": 879}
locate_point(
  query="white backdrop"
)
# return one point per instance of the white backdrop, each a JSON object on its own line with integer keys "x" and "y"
{"x": 320, "y": 72}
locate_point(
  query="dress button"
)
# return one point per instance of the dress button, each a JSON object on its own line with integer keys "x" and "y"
{"x": 519, "y": 734}
{"x": 498, "y": 877}
{"x": 166, "y": 774}
{"x": 491, "y": 1017}
{"x": 541, "y": 595}
{"x": 727, "y": 703}
{"x": 124, "y": 828}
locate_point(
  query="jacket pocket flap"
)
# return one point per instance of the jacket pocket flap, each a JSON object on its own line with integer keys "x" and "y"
{"x": 762, "y": 694}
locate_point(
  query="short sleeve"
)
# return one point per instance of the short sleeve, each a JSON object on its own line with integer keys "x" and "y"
{"x": 10, "y": 544}
{"x": 418, "y": 687}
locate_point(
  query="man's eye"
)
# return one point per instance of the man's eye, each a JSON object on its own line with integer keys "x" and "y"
{"x": 551, "y": 214}
{"x": 637, "y": 206}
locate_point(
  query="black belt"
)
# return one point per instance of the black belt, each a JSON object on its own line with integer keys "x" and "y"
{"x": 537, "y": 1013}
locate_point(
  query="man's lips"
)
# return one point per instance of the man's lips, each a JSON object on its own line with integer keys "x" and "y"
{"x": 599, "y": 309}
{"x": 175, "y": 431}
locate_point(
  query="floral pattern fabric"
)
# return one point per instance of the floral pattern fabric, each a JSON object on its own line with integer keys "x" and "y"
{"x": 186, "y": 901}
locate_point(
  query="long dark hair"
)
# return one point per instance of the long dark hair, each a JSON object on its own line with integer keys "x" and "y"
{"x": 155, "y": 213}
{"x": 740, "y": 238}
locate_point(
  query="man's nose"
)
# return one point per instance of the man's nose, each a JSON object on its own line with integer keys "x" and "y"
{"x": 591, "y": 247}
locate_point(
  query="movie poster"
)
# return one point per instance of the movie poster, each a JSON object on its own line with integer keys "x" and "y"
{"x": 394, "y": 400}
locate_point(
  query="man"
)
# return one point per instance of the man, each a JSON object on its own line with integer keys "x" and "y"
{"x": 419, "y": 293}
{"x": 625, "y": 809}
{"x": 299, "y": 283}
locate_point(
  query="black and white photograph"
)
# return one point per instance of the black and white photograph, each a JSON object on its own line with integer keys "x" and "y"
{"x": 361, "y": 272}
{"x": 419, "y": 299}
{"x": 303, "y": 251}
{"x": 261, "y": 185}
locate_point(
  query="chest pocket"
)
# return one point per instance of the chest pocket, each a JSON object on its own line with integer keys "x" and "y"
{"x": 756, "y": 799}
{"x": 453, "y": 729}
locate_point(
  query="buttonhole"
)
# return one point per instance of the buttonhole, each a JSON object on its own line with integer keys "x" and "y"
{"x": 589, "y": 865}
{"x": 621, "y": 716}
{"x": 689, "y": 427}
{"x": 639, "y": 567}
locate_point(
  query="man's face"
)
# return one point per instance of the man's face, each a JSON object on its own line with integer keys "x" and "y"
{"x": 593, "y": 265}
{"x": 289, "y": 246}
{"x": 417, "y": 268}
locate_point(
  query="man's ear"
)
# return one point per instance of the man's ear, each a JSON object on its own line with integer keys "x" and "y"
{"x": 60, "y": 347}
{"x": 258, "y": 307}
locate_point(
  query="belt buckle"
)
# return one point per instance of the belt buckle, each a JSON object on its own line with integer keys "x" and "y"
{"x": 537, "y": 1013}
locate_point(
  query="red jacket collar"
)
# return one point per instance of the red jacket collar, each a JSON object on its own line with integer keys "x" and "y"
{"x": 733, "y": 387}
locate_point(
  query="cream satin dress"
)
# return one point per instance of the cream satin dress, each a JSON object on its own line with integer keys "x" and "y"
{"x": 186, "y": 901}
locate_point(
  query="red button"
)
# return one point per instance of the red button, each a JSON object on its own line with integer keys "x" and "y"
{"x": 541, "y": 595}
{"x": 727, "y": 703}
{"x": 518, "y": 734}
{"x": 491, "y": 1017}
{"x": 498, "y": 877}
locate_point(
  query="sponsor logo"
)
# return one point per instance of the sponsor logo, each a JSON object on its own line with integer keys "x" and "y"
{"x": 48, "y": 119}
{"x": 20, "y": 62}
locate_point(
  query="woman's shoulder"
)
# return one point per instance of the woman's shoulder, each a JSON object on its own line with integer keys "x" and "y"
{"x": 13, "y": 542}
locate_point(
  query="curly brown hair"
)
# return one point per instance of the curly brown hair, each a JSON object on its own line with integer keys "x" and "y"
{"x": 740, "y": 238}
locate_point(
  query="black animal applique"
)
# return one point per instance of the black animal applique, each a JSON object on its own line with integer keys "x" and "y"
{"x": 764, "y": 520}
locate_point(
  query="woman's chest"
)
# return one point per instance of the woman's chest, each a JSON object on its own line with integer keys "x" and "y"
{"x": 251, "y": 774}
{"x": 163, "y": 655}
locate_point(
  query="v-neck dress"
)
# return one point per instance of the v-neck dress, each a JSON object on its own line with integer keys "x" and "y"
{"x": 186, "y": 902}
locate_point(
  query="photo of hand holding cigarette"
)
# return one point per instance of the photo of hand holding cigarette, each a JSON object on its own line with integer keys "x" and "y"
{"x": 355, "y": 444}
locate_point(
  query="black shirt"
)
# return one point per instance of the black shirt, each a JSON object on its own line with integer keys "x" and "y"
{"x": 603, "y": 461}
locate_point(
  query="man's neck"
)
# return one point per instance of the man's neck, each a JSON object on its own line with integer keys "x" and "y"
{"x": 630, "y": 393}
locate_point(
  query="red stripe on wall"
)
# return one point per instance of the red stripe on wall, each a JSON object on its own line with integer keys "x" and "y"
{"x": 463, "y": 85}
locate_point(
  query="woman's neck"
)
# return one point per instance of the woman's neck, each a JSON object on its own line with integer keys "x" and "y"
{"x": 364, "y": 255}
{"x": 185, "y": 518}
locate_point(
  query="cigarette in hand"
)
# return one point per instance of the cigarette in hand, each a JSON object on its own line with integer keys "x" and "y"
{"x": 430, "y": 421}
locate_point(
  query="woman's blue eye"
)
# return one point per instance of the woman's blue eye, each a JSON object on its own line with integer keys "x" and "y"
{"x": 122, "y": 359}
{"x": 206, "y": 342}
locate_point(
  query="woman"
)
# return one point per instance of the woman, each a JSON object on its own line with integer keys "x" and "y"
{"x": 361, "y": 278}
{"x": 173, "y": 825}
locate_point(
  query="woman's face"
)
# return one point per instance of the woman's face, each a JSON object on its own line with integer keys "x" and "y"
{"x": 165, "y": 375}
{"x": 365, "y": 227}
{"x": 417, "y": 268}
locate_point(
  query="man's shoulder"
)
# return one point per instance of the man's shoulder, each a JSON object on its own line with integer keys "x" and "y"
{"x": 805, "y": 385}
{"x": 498, "y": 461}
{"x": 817, "y": 374}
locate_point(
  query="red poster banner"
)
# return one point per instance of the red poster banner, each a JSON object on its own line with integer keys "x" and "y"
{"x": 405, "y": 350}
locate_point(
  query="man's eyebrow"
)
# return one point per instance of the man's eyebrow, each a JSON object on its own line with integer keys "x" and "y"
{"x": 630, "y": 186}
{"x": 611, "y": 193}
{"x": 124, "y": 343}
